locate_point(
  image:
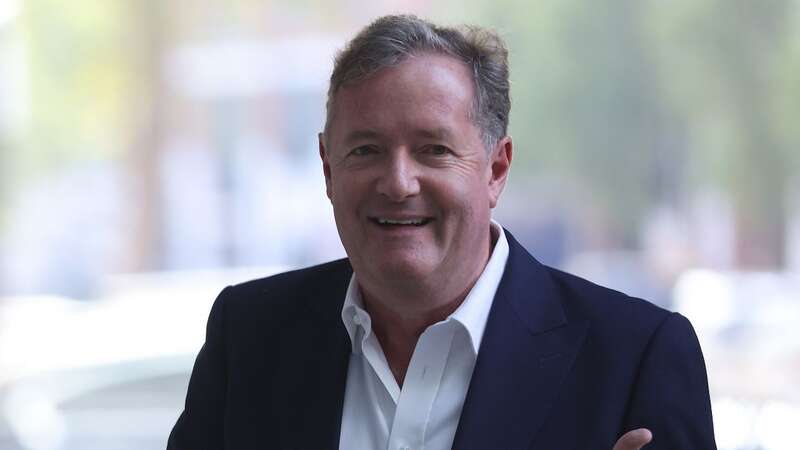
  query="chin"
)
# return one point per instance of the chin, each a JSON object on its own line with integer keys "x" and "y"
{"x": 401, "y": 269}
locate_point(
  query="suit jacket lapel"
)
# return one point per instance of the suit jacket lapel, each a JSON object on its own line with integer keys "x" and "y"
{"x": 527, "y": 349}
{"x": 313, "y": 370}
{"x": 321, "y": 422}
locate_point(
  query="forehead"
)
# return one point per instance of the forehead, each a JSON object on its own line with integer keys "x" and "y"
{"x": 423, "y": 91}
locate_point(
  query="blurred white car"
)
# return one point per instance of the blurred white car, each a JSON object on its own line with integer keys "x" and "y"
{"x": 107, "y": 374}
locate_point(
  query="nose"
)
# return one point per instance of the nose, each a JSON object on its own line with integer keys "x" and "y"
{"x": 399, "y": 178}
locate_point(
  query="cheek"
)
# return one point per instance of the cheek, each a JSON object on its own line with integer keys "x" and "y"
{"x": 460, "y": 200}
{"x": 346, "y": 195}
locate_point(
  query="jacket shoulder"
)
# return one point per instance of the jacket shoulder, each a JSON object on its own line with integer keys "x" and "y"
{"x": 287, "y": 293}
{"x": 611, "y": 313}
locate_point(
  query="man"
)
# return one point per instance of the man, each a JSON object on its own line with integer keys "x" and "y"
{"x": 439, "y": 331}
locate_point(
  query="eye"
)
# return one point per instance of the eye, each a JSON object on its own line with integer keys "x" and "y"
{"x": 364, "y": 150}
{"x": 437, "y": 150}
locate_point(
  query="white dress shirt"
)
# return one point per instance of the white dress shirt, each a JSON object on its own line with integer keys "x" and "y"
{"x": 424, "y": 414}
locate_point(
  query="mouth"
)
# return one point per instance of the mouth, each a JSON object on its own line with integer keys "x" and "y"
{"x": 386, "y": 222}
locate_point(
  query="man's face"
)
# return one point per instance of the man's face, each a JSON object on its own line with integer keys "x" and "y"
{"x": 408, "y": 175}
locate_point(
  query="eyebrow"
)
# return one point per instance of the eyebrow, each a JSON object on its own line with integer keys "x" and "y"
{"x": 439, "y": 133}
{"x": 435, "y": 133}
{"x": 359, "y": 135}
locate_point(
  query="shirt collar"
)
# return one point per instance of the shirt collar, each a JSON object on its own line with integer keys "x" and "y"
{"x": 474, "y": 310}
{"x": 472, "y": 314}
{"x": 354, "y": 314}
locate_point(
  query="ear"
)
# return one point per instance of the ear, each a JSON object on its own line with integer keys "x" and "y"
{"x": 499, "y": 164}
{"x": 326, "y": 167}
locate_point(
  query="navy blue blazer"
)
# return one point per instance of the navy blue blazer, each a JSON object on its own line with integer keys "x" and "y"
{"x": 564, "y": 365}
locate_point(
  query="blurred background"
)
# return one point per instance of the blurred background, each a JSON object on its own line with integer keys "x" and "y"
{"x": 152, "y": 152}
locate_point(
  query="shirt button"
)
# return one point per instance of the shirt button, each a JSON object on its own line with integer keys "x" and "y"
{"x": 356, "y": 319}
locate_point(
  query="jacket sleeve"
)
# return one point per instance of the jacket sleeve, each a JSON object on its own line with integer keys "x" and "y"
{"x": 671, "y": 396}
{"x": 200, "y": 426}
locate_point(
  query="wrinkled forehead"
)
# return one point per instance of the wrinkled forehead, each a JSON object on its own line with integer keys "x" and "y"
{"x": 423, "y": 87}
{"x": 360, "y": 74}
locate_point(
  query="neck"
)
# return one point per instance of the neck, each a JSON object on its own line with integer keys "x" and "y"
{"x": 399, "y": 330}
{"x": 400, "y": 313}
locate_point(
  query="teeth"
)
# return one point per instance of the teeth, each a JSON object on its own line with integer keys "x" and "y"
{"x": 400, "y": 222}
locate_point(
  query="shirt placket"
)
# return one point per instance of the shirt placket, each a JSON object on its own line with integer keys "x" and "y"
{"x": 420, "y": 388}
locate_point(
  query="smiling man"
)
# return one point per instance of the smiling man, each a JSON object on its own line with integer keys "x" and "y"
{"x": 439, "y": 330}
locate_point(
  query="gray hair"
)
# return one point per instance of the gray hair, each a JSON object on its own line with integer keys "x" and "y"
{"x": 390, "y": 39}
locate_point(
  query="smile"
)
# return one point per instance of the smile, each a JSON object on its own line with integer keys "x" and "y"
{"x": 387, "y": 222}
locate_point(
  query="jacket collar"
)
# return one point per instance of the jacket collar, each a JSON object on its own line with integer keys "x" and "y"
{"x": 528, "y": 348}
